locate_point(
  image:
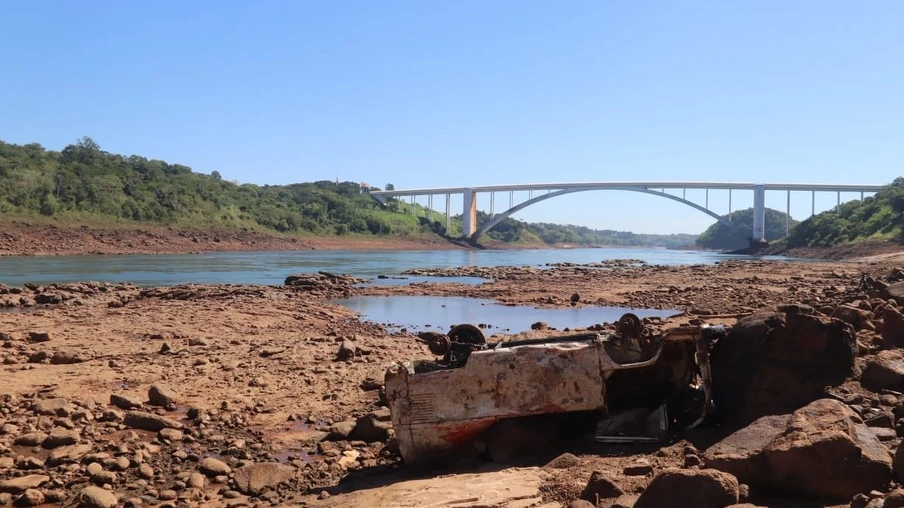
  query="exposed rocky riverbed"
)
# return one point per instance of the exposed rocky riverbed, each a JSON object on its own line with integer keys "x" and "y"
{"x": 226, "y": 395}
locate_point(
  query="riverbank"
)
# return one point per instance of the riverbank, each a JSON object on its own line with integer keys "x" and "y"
{"x": 28, "y": 238}
{"x": 186, "y": 392}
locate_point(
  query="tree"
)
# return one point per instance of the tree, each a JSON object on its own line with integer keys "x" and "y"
{"x": 389, "y": 186}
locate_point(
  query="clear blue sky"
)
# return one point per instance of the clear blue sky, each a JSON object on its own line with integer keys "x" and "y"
{"x": 429, "y": 93}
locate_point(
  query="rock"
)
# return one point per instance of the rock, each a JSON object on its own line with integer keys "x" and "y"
{"x": 23, "y": 483}
{"x": 822, "y": 449}
{"x": 35, "y": 337}
{"x": 370, "y": 429}
{"x": 66, "y": 358}
{"x": 30, "y": 439}
{"x": 341, "y": 431}
{"x": 776, "y": 362}
{"x": 31, "y": 497}
{"x": 196, "y": 481}
{"x": 123, "y": 401}
{"x": 146, "y": 471}
{"x": 267, "y": 352}
{"x": 679, "y": 488}
{"x": 171, "y": 435}
{"x": 894, "y": 499}
{"x": 564, "y": 461}
{"x": 213, "y": 467}
{"x": 892, "y": 327}
{"x": 626, "y": 501}
{"x": 149, "y": 421}
{"x": 858, "y": 318}
{"x": 54, "y": 407}
{"x": 5, "y": 498}
{"x": 640, "y": 467}
{"x": 254, "y": 478}
{"x": 61, "y": 437}
{"x": 96, "y": 497}
{"x": 884, "y": 371}
{"x": 346, "y": 351}
{"x": 580, "y": 503}
{"x": 197, "y": 342}
{"x": 104, "y": 477}
{"x": 599, "y": 487}
{"x": 895, "y": 292}
{"x": 575, "y": 298}
{"x": 38, "y": 357}
{"x": 160, "y": 395}
{"x": 67, "y": 454}
{"x": 540, "y": 325}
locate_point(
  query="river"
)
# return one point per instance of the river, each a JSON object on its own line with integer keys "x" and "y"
{"x": 273, "y": 267}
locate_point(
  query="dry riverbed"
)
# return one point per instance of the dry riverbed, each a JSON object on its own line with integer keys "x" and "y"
{"x": 221, "y": 395}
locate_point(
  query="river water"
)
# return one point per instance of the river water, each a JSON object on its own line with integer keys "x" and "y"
{"x": 415, "y": 313}
{"x": 273, "y": 267}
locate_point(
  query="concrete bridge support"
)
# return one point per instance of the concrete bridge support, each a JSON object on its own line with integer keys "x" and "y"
{"x": 759, "y": 213}
{"x": 469, "y": 217}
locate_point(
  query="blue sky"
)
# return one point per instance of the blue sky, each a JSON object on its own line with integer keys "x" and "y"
{"x": 428, "y": 94}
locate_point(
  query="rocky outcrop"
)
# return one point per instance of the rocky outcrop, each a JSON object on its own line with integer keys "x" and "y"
{"x": 776, "y": 362}
{"x": 822, "y": 449}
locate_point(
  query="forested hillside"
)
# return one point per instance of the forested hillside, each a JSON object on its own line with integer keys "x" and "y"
{"x": 84, "y": 182}
{"x": 879, "y": 217}
{"x": 721, "y": 237}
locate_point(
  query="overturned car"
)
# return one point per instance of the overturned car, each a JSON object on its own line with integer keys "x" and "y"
{"x": 633, "y": 385}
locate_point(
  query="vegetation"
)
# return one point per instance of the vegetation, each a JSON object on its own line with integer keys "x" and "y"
{"x": 877, "y": 217}
{"x": 721, "y": 237}
{"x": 83, "y": 182}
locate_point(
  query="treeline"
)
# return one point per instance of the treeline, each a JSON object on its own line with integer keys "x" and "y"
{"x": 511, "y": 230}
{"x": 876, "y": 217}
{"x": 84, "y": 179}
{"x": 721, "y": 237}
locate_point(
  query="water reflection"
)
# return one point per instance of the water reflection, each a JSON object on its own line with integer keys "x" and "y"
{"x": 439, "y": 313}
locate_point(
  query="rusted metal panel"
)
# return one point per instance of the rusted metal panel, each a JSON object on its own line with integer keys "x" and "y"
{"x": 439, "y": 406}
{"x": 436, "y": 411}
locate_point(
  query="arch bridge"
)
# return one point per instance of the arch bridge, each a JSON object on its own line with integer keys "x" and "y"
{"x": 542, "y": 191}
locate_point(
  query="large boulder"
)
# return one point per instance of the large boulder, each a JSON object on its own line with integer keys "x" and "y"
{"x": 822, "y": 449}
{"x": 776, "y": 362}
{"x": 884, "y": 371}
{"x": 678, "y": 488}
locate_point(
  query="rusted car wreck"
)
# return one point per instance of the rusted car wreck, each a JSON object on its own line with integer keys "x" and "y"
{"x": 632, "y": 385}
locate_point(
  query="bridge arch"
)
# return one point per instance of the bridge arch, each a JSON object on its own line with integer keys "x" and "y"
{"x": 508, "y": 213}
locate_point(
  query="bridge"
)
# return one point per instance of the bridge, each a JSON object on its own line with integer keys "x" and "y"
{"x": 544, "y": 191}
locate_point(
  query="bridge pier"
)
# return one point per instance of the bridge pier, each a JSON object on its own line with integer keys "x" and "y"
{"x": 759, "y": 214}
{"x": 469, "y": 214}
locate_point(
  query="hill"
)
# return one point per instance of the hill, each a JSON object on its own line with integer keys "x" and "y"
{"x": 879, "y": 217}
{"x": 84, "y": 184}
{"x": 721, "y": 237}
